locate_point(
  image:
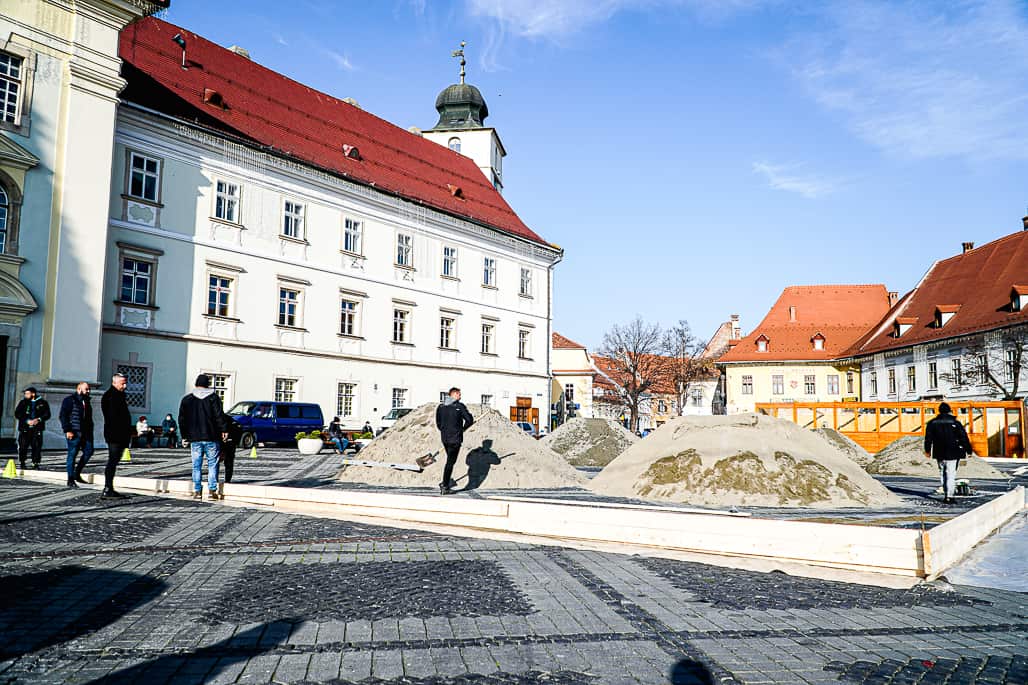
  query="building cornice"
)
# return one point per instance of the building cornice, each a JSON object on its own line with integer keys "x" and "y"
{"x": 937, "y": 343}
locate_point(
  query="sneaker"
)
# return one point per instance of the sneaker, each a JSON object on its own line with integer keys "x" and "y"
{"x": 111, "y": 494}
{"x": 72, "y": 484}
{"x": 213, "y": 495}
{"x": 198, "y": 495}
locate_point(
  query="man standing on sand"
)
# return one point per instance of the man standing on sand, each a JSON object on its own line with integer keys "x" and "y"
{"x": 117, "y": 431}
{"x": 77, "y": 424}
{"x": 203, "y": 424}
{"x": 32, "y": 414}
{"x": 945, "y": 440}
{"x": 452, "y": 418}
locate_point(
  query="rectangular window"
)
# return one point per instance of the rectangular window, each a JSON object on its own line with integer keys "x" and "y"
{"x": 10, "y": 87}
{"x": 833, "y": 384}
{"x": 911, "y": 379}
{"x": 892, "y": 381}
{"x": 526, "y": 282}
{"x": 697, "y": 398}
{"x": 809, "y": 385}
{"x": 661, "y": 407}
{"x": 136, "y": 280}
{"x": 777, "y": 385}
{"x": 352, "y": 236}
{"x": 404, "y": 250}
{"x": 285, "y": 389}
{"x": 226, "y": 202}
{"x": 442, "y": 396}
{"x": 137, "y": 378}
{"x": 219, "y": 295}
{"x": 957, "y": 371}
{"x": 489, "y": 272}
{"x": 873, "y": 383}
{"x": 292, "y": 220}
{"x": 446, "y": 332}
{"x": 487, "y": 400}
{"x": 348, "y": 317}
{"x": 849, "y": 382}
{"x": 524, "y": 343}
{"x": 144, "y": 177}
{"x": 450, "y": 262}
{"x": 487, "y": 338}
{"x": 933, "y": 375}
{"x": 569, "y": 393}
{"x": 401, "y": 326}
{"x": 220, "y": 383}
{"x": 747, "y": 385}
{"x": 345, "y": 394}
{"x": 1010, "y": 366}
{"x": 982, "y": 362}
{"x": 399, "y": 398}
{"x": 288, "y": 307}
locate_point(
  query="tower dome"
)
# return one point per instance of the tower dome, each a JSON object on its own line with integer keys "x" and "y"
{"x": 461, "y": 106}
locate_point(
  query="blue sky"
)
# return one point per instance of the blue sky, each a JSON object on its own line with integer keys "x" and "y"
{"x": 693, "y": 157}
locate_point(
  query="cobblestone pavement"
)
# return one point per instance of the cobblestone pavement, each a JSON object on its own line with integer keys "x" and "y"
{"x": 156, "y": 590}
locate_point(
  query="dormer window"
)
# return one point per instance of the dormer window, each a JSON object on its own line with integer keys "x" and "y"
{"x": 904, "y": 324}
{"x": 944, "y": 313}
{"x": 352, "y": 152}
{"x": 456, "y": 191}
{"x": 1019, "y": 298}
{"x": 819, "y": 342}
{"x": 213, "y": 97}
{"x": 762, "y": 343}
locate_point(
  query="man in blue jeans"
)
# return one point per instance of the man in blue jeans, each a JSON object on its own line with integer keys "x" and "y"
{"x": 77, "y": 423}
{"x": 202, "y": 422}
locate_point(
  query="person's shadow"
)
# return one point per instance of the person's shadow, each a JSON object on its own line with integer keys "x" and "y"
{"x": 691, "y": 672}
{"x": 480, "y": 460}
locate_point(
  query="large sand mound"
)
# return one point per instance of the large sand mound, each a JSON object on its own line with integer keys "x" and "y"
{"x": 905, "y": 457}
{"x": 590, "y": 442}
{"x": 497, "y": 454}
{"x": 845, "y": 444}
{"x": 745, "y": 459}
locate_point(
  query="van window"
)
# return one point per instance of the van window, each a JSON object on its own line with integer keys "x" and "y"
{"x": 264, "y": 411}
{"x": 241, "y": 409}
{"x": 310, "y": 411}
{"x": 287, "y": 411}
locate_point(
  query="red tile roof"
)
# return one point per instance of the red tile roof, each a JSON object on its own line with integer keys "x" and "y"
{"x": 841, "y": 313}
{"x": 978, "y": 282}
{"x": 559, "y": 342}
{"x": 291, "y": 119}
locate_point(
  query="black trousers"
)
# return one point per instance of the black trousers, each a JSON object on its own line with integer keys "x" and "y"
{"x": 115, "y": 450}
{"x": 30, "y": 439}
{"x": 227, "y": 457}
{"x": 452, "y": 452}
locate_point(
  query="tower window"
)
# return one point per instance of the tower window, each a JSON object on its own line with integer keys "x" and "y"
{"x": 454, "y": 144}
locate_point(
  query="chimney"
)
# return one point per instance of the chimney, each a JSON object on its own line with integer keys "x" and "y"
{"x": 1024, "y": 220}
{"x": 736, "y": 329}
{"x": 792, "y": 313}
{"x": 893, "y": 298}
{"x": 967, "y": 246}
{"x": 241, "y": 51}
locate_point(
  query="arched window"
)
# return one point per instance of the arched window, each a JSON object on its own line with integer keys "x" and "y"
{"x": 5, "y": 207}
{"x": 454, "y": 144}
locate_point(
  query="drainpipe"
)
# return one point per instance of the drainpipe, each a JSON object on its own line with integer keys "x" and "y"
{"x": 549, "y": 336}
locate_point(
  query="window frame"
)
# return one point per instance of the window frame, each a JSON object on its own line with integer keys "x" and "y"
{"x": 933, "y": 375}
{"x": 453, "y": 260}
{"x": 1009, "y": 366}
{"x": 348, "y": 222}
{"x": 525, "y": 286}
{"x": 486, "y": 400}
{"x": 402, "y": 397}
{"x": 401, "y": 249}
{"x": 354, "y": 316}
{"x": 873, "y": 383}
{"x": 454, "y": 144}
{"x": 298, "y": 313}
{"x": 956, "y": 368}
{"x": 341, "y": 397}
{"x": 524, "y": 343}
{"x": 447, "y": 334}
{"x": 777, "y": 384}
{"x": 294, "y": 389}
{"x": 833, "y": 381}
{"x": 892, "y": 380}
{"x": 289, "y": 212}
{"x": 231, "y": 289}
{"x": 851, "y": 378}
{"x": 809, "y": 384}
{"x": 130, "y": 155}
{"x": 489, "y": 272}
{"x": 133, "y": 362}
{"x": 238, "y": 202}
{"x": 911, "y": 378}
{"x": 406, "y": 323}
{"x": 151, "y": 295}
{"x": 23, "y": 98}
{"x": 488, "y": 338}
{"x": 746, "y": 384}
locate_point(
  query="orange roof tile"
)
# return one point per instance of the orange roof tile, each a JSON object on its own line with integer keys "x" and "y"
{"x": 559, "y": 342}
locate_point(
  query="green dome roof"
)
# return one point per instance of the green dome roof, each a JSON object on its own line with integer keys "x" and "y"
{"x": 461, "y": 106}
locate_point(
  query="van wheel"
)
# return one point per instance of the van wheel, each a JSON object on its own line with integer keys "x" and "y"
{"x": 247, "y": 441}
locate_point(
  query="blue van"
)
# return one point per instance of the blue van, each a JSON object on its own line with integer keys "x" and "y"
{"x": 275, "y": 421}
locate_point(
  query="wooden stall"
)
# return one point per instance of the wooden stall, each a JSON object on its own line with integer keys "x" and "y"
{"x": 996, "y": 429}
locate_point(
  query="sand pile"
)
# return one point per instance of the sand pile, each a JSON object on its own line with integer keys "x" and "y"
{"x": 745, "y": 459}
{"x": 496, "y": 454}
{"x": 905, "y": 457}
{"x": 590, "y": 442}
{"x": 845, "y": 444}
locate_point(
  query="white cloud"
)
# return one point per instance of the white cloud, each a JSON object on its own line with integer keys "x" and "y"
{"x": 787, "y": 177}
{"x": 279, "y": 38}
{"x": 339, "y": 59}
{"x": 923, "y": 81}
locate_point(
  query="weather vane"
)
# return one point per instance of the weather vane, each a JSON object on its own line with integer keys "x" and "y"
{"x": 460, "y": 53}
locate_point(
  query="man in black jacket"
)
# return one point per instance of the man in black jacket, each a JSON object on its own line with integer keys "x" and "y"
{"x": 201, "y": 421}
{"x": 945, "y": 440}
{"x": 77, "y": 423}
{"x": 117, "y": 431}
{"x": 32, "y": 414}
{"x": 452, "y": 418}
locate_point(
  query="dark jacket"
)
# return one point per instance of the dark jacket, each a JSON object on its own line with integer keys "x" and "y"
{"x": 169, "y": 426}
{"x": 77, "y": 415}
{"x": 335, "y": 429}
{"x": 118, "y": 424}
{"x": 27, "y": 409}
{"x": 200, "y": 416}
{"x": 234, "y": 429}
{"x": 945, "y": 438}
{"x": 452, "y": 419}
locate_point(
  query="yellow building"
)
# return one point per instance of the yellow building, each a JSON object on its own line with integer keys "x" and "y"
{"x": 571, "y": 380}
{"x": 797, "y": 353}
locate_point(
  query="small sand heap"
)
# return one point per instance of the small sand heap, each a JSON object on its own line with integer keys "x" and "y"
{"x": 590, "y": 442}
{"x": 744, "y": 459}
{"x": 905, "y": 457}
{"x": 497, "y": 454}
{"x": 845, "y": 444}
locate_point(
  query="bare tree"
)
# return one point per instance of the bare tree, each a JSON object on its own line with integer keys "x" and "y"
{"x": 999, "y": 364}
{"x": 683, "y": 364}
{"x": 632, "y": 350}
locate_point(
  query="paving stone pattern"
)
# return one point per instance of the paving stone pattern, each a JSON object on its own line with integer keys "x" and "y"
{"x": 219, "y": 594}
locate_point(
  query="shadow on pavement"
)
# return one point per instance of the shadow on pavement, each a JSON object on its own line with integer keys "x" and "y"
{"x": 480, "y": 461}
{"x": 691, "y": 672}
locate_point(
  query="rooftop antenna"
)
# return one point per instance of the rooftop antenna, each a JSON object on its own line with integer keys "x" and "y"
{"x": 181, "y": 42}
{"x": 460, "y": 53}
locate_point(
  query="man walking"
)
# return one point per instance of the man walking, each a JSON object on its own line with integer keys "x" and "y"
{"x": 945, "y": 440}
{"x": 32, "y": 414}
{"x": 201, "y": 421}
{"x": 77, "y": 423}
{"x": 452, "y": 418}
{"x": 117, "y": 431}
